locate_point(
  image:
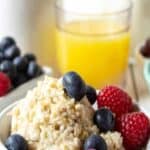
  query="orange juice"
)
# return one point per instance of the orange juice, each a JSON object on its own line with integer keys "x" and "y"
{"x": 97, "y": 50}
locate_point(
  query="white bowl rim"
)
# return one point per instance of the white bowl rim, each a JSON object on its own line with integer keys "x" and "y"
{"x": 2, "y": 147}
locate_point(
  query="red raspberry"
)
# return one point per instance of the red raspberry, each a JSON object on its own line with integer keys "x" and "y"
{"x": 118, "y": 101}
{"x": 134, "y": 128}
{"x": 5, "y": 84}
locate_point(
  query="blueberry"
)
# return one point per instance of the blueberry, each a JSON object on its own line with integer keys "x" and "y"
{"x": 8, "y": 68}
{"x": 104, "y": 119}
{"x": 12, "y": 52}
{"x": 20, "y": 79}
{"x": 30, "y": 57}
{"x": 145, "y": 52}
{"x": 33, "y": 70}
{"x": 16, "y": 142}
{"x": 21, "y": 63}
{"x": 6, "y": 43}
{"x": 1, "y": 57}
{"x": 95, "y": 142}
{"x": 74, "y": 85}
{"x": 91, "y": 94}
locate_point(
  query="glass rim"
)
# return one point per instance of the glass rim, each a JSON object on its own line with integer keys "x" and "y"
{"x": 117, "y": 12}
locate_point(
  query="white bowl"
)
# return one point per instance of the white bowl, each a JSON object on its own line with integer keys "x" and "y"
{"x": 5, "y": 121}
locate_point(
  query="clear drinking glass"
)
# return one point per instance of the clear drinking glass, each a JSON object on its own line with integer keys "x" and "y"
{"x": 93, "y": 39}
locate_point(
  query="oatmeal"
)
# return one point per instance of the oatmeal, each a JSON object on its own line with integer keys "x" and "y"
{"x": 50, "y": 120}
{"x": 114, "y": 140}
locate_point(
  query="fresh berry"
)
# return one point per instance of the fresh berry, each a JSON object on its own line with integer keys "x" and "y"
{"x": 12, "y": 52}
{"x": 16, "y": 142}
{"x": 20, "y": 79}
{"x": 134, "y": 128}
{"x": 21, "y": 63}
{"x": 6, "y": 43}
{"x": 1, "y": 57}
{"x": 104, "y": 119}
{"x": 30, "y": 57}
{"x": 114, "y": 98}
{"x": 95, "y": 142}
{"x": 5, "y": 84}
{"x": 91, "y": 94}
{"x": 145, "y": 49}
{"x": 74, "y": 85}
{"x": 145, "y": 52}
{"x": 33, "y": 70}
{"x": 8, "y": 68}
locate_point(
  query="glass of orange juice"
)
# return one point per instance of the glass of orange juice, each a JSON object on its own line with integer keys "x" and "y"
{"x": 93, "y": 39}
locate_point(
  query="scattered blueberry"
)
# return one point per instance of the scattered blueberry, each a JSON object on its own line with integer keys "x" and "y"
{"x": 74, "y": 85}
{"x": 16, "y": 142}
{"x": 12, "y": 52}
{"x": 1, "y": 57}
{"x": 33, "y": 70}
{"x": 145, "y": 49}
{"x": 95, "y": 142}
{"x": 104, "y": 119}
{"x": 19, "y": 68}
{"x": 145, "y": 52}
{"x": 6, "y": 43}
{"x": 30, "y": 57}
{"x": 91, "y": 94}
{"x": 19, "y": 79}
{"x": 21, "y": 63}
{"x": 8, "y": 68}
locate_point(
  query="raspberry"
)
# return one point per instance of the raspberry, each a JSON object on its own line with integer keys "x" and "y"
{"x": 5, "y": 84}
{"x": 114, "y": 98}
{"x": 134, "y": 128}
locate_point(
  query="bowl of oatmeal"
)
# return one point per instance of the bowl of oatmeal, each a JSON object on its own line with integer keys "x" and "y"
{"x": 51, "y": 117}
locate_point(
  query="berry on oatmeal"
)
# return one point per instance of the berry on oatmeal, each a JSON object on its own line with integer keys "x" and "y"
{"x": 91, "y": 94}
{"x": 74, "y": 85}
{"x": 104, "y": 119}
{"x": 16, "y": 142}
{"x": 95, "y": 142}
{"x": 114, "y": 98}
{"x": 134, "y": 128}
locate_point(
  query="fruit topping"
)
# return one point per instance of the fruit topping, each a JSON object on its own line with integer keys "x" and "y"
{"x": 5, "y": 84}
{"x": 11, "y": 52}
{"x": 114, "y": 98}
{"x": 95, "y": 142}
{"x": 16, "y": 142}
{"x": 145, "y": 49}
{"x": 104, "y": 119}
{"x": 6, "y": 43}
{"x": 91, "y": 94}
{"x": 74, "y": 85}
{"x": 21, "y": 63}
{"x": 134, "y": 128}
